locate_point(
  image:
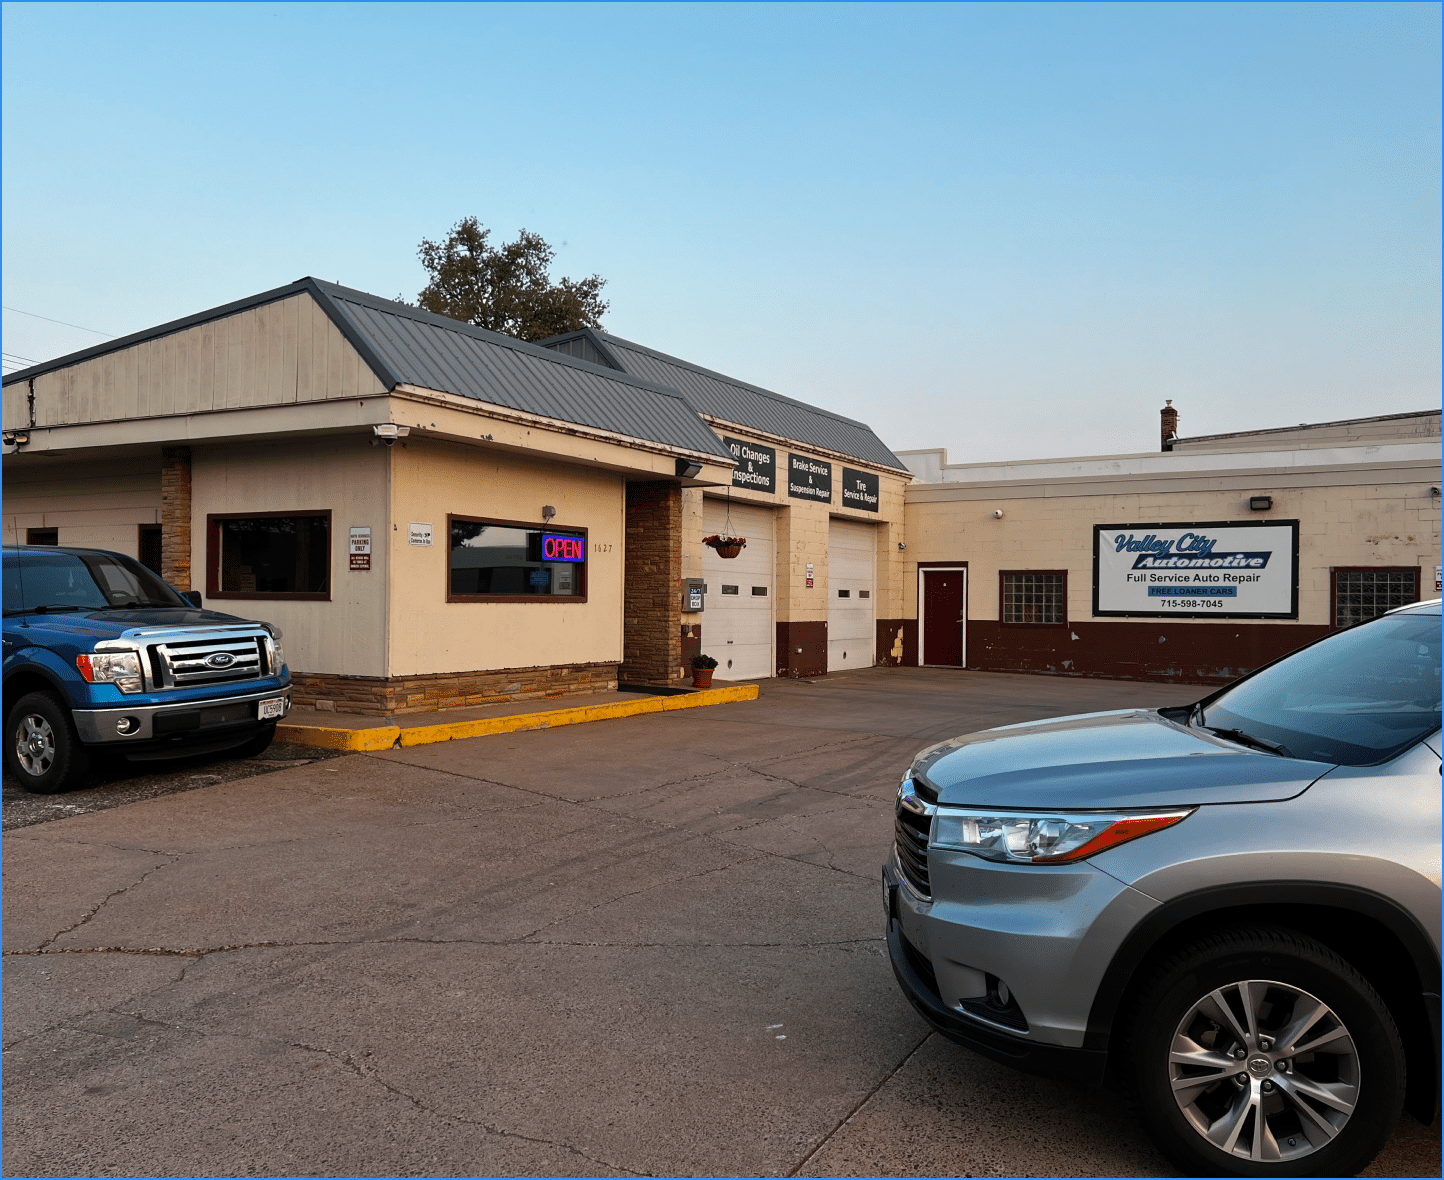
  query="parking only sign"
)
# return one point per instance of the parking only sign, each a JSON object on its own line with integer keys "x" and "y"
{"x": 360, "y": 549}
{"x": 1217, "y": 569}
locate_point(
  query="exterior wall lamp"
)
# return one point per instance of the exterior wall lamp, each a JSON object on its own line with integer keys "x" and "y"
{"x": 547, "y": 513}
{"x": 686, "y": 469}
{"x": 1260, "y": 503}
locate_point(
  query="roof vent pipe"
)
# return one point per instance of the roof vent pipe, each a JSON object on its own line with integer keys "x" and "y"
{"x": 1169, "y": 424}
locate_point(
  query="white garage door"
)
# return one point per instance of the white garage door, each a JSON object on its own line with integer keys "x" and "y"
{"x": 851, "y": 565}
{"x": 737, "y": 626}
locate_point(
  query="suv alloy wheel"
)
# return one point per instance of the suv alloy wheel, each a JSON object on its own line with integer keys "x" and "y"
{"x": 1259, "y": 1052}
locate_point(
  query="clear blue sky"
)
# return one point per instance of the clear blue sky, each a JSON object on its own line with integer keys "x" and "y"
{"x": 1010, "y": 230}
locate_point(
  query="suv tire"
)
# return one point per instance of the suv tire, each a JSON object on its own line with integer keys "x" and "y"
{"x": 42, "y": 750}
{"x": 1326, "y": 1111}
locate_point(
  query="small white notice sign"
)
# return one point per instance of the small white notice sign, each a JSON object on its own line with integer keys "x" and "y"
{"x": 418, "y": 534}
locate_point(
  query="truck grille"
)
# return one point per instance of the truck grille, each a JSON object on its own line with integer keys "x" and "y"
{"x": 216, "y": 660}
{"x": 911, "y": 830}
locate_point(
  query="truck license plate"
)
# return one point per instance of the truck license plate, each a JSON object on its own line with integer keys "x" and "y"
{"x": 273, "y": 708}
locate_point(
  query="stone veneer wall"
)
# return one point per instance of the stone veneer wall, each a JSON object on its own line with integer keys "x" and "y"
{"x": 175, "y": 516}
{"x": 652, "y": 583}
{"x": 380, "y": 696}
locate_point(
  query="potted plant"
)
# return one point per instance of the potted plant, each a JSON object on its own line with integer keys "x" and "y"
{"x": 702, "y": 671}
{"x": 726, "y": 546}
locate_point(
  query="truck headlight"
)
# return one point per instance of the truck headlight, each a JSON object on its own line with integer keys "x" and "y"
{"x": 120, "y": 668}
{"x": 1043, "y": 837}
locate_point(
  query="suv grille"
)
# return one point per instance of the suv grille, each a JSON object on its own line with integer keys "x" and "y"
{"x": 911, "y": 831}
{"x": 217, "y": 660}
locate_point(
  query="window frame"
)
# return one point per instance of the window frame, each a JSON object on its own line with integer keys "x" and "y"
{"x": 1003, "y": 575}
{"x": 213, "y": 558}
{"x": 1336, "y": 570}
{"x": 530, "y": 526}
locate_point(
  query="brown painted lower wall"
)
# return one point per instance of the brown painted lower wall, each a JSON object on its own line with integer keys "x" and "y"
{"x": 1207, "y": 654}
{"x": 801, "y": 649}
{"x": 691, "y": 643}
{"x": 897, "y": 642}
{"x": 380, "y": 696}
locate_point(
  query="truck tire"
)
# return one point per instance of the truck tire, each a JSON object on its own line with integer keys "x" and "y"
{"x": 256, "y": 745}
{"x": 42, "y": 750}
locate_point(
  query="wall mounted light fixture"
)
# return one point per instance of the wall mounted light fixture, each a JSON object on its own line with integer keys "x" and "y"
{"x": 1260, "y": 503}
{"x": 548, "y": 512}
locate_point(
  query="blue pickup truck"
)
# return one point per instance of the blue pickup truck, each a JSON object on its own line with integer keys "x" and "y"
{"x": 104, "y": 657}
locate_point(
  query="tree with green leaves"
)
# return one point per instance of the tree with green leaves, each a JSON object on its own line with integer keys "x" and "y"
{"x": 506, "y": 288}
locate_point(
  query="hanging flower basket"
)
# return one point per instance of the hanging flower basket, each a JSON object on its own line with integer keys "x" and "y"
{"x": 725, "y": 546}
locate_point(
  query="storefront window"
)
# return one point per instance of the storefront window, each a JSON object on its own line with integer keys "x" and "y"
{"x": 1034, "y": 596}
{"x": 269, "y": 555}
{"x": 493, "y": 559}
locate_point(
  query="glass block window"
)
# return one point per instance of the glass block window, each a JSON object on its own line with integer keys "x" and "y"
{"x": 1034, "y": 598}
{"x": 1364, "y": 594}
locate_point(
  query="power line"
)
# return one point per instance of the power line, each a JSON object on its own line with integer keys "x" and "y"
{"x": 63, "y": 323}
{"x": 13, "y": 357}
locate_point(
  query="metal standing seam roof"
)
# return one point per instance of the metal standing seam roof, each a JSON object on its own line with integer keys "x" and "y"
{"x": 415, "y": 347}
{"x": 405, "y": 345}
{"x": 727, "y": 398}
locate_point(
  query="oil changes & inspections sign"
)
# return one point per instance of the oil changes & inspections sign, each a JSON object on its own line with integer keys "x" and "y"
{"x": 1238, "y": 569}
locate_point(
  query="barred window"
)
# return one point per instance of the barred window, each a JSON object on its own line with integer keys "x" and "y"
{"x": 1034, "y": 597}
{"x": 1364, "y": 594}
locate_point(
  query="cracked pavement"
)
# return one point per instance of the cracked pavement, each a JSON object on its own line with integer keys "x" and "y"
{"x": 639, "y": 947}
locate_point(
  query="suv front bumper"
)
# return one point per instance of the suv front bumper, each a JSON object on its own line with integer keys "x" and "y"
{"x": 915, "y": 976}
{"x": 195, "y": 720}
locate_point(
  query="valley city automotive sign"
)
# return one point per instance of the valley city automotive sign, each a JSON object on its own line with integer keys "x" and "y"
{"x": 1219, "y": 569}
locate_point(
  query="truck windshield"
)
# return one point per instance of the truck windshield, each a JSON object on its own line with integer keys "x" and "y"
{"x": 1357, "y": 698}
{"x": 81, "y": 582}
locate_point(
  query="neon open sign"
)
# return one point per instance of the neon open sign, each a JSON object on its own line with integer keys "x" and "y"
{"x": 561, "y": 547}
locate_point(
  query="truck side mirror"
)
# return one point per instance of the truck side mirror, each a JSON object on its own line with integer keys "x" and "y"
{"x": 192, "y": 596}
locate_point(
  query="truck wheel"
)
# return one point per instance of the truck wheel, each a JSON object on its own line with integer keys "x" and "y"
{"x": 258, "y": 744}
{"x": 41, "y": 748}
{"x": 1260, "y": 1052}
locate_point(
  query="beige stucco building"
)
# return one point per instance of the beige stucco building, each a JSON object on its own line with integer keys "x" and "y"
{"x": 438, "y": 515}
{"x": 1041, "y": 566}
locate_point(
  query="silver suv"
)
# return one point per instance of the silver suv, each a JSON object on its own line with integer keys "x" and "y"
{"x": 1231, "y": 908}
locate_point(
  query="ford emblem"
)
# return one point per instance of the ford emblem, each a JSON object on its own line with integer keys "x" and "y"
{"x": 221, "y": 659}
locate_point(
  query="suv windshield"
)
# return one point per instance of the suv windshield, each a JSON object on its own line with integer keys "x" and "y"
{"x": 62, "y": 581}
{"x": 1356, "y": 698}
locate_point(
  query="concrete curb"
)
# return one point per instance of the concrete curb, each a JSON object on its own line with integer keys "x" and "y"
{"x": 386, "y": 737}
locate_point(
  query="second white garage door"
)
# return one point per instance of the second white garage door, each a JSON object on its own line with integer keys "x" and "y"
{"x": 737, "y": 626}
{"x": 851, "y": 578}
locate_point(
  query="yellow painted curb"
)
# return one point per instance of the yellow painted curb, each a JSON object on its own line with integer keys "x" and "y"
{"x": 381, "y": 738}
{"x": 384, "y": 737}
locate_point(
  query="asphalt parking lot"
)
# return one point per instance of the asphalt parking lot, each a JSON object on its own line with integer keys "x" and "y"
{"x": 640, "y": 947}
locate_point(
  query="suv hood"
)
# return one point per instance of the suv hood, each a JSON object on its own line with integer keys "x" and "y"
{"x": 107, "y": 624}
{"x": 1129, "y": 758}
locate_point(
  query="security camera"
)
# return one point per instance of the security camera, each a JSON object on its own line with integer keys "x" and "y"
{"x": 389, "y": 432}
{"x": 997, "y": 514}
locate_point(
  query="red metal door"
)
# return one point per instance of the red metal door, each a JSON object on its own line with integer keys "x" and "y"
{"x": 944, "y": 599}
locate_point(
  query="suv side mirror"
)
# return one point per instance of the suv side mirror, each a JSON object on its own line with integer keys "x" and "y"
{"x": 192, "y": 596}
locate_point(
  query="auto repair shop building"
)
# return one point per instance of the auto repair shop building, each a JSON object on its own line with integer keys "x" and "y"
{"x": 441, "y": 516}
{"x": 1196, "y": 563}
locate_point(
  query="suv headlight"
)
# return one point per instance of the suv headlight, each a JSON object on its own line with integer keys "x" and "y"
{"x": 120, "y": 668}
{"x": 1043, "y": 838}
